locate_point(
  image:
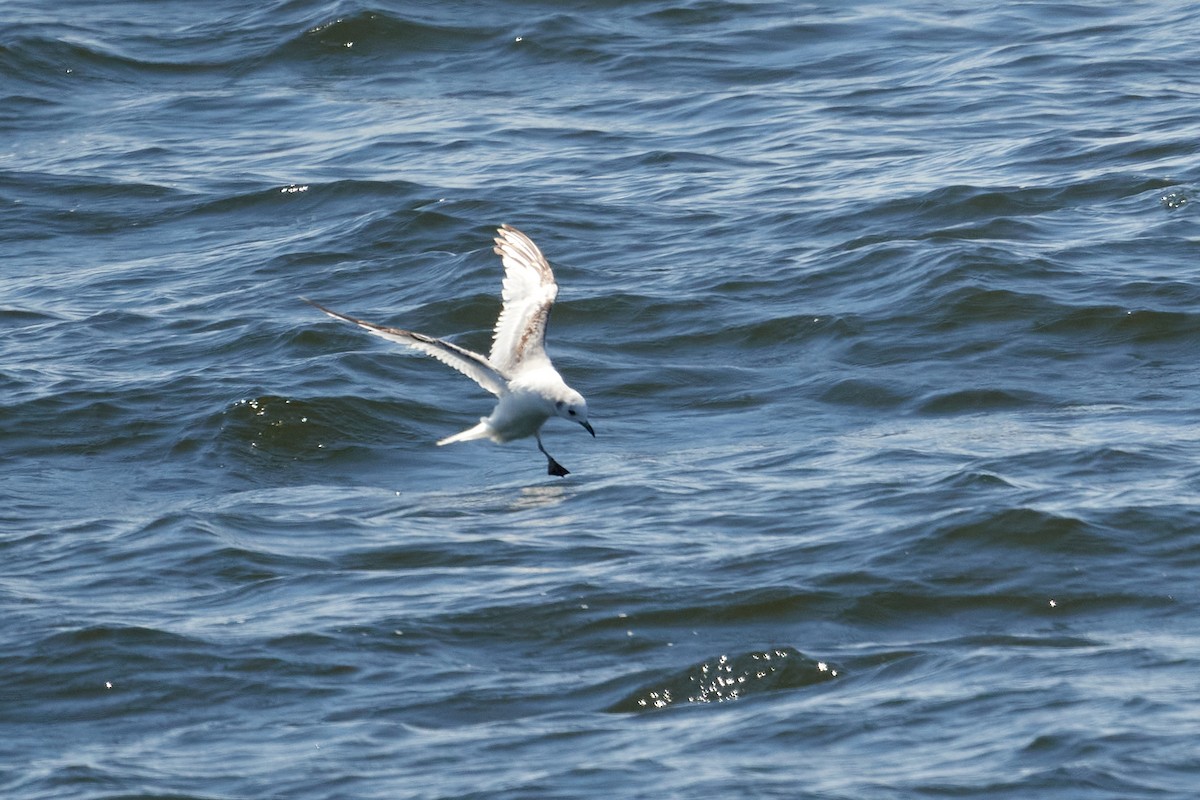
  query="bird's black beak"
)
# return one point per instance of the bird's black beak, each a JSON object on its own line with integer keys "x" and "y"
{"x": 588, "y": 428}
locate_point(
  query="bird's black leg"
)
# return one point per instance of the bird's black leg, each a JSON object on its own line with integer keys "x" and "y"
{"x": 552, "y": 466}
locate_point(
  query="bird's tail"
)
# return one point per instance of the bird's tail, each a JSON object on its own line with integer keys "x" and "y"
{"x": 480, "y": 431}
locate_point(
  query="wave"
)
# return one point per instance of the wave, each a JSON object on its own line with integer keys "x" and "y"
{"x": 726, "y": 678}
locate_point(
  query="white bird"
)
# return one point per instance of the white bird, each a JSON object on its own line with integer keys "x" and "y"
{"x": 517, "y": 371}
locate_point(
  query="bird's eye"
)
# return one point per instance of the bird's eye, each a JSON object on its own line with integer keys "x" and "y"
{"x": 559, "y": 405}
{"x": 571, "y": 412}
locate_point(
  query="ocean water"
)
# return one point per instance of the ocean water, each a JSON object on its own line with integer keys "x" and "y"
{"x": 888, "y": 317}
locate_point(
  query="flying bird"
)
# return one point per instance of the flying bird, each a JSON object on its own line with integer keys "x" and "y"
{"x": 528, "y": 388}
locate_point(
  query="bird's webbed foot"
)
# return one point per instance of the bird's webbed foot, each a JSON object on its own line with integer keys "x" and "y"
{"x": 552, "y": 466}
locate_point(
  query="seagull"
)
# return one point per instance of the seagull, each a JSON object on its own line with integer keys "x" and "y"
{"x": 518, "y": 371}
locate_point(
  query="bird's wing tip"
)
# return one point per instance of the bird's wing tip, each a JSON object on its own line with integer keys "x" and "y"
{"x": 329, "y": 312}
{"x": 505, "y": 232}
{"x": 321, "y": 308}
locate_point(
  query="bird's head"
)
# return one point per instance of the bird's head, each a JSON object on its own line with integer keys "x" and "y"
{"x": 572, "y": 406}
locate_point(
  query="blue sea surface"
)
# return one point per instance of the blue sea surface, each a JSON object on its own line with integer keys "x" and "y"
{"x": 887, "y": 314}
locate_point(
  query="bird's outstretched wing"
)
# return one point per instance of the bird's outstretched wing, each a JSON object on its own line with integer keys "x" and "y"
{"x": 471, "y": 364}
{"x": 529, "y": 292}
